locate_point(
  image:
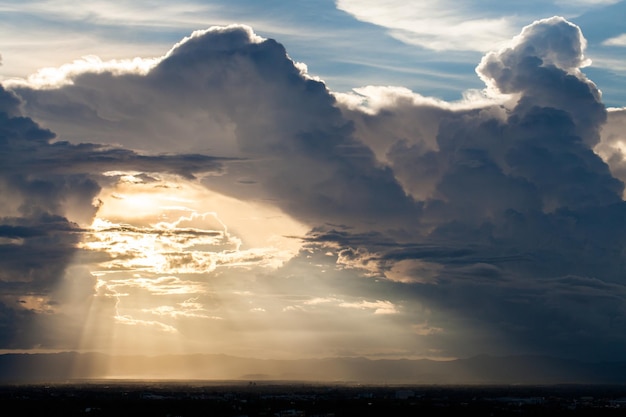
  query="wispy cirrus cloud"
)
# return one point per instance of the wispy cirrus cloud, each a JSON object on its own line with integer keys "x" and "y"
{"x": 436, "y": 25}
{"x": 443, "y": 25}
{"x": 615, "y": 41}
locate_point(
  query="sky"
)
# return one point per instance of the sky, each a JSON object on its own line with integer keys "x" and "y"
{"x": 313, "y": 179}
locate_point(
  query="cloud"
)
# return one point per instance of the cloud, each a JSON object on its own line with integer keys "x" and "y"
{"x": 379, "y": 307}
{"x": 438, "y": 26}
{"x": 517, "y": 205}
{"x": 129, "y": 321}
{"x": 161, "y": 285}
{"x": 53, "y": 77}
{"x": 236, "y": 95}
{"x": 162, "y": 249}
{"x": 37, "y": 241}
{"x": 487, "y": 225}
{"x": 105, "y": 13}
{"x": 190, "y": 308}
{"x": 444, "y": 25}
{"x": 615, "y": 41}
{"x": 589, "y": 2}
{"x": 612, "y": 146}
{"x": 50, "y": 190}
{"x": 448, "y": 26}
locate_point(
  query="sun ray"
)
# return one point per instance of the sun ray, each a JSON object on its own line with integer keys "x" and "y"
{"x": 159, "y": 250}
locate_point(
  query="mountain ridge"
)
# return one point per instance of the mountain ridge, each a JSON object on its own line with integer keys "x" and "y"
{"x": 481, "y": 369}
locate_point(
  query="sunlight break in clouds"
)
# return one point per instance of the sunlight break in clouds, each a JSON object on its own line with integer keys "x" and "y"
{"x": 150, "y": 230}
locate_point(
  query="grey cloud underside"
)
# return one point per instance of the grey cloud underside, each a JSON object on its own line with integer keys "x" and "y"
{"x": 501, "y": 219}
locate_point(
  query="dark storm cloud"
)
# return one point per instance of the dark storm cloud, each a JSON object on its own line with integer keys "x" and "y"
{"x": 497, "y": 217}
{"x": 65, "y": 158}
{"x": 35, "y": 264}
{"x": 47, "y": 187}
{"x": 37, "y": 239}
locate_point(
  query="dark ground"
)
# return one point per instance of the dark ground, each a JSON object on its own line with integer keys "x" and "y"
{"x": 124, "y": 398}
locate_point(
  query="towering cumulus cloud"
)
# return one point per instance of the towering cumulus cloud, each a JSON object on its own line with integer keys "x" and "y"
{"x": 527, "y": 219}
{"x": 483, "y": 226}
{"x": 228, "y": 91}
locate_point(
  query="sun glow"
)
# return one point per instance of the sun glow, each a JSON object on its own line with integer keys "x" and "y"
{"x": 160, "y": 244}
{"x": 157, "y": 221}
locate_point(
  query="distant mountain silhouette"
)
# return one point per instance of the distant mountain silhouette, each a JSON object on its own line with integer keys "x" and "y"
{"x": 25, "y": 368}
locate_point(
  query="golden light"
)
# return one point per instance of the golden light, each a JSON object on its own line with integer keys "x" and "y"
{"x": 161, "y": 241}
